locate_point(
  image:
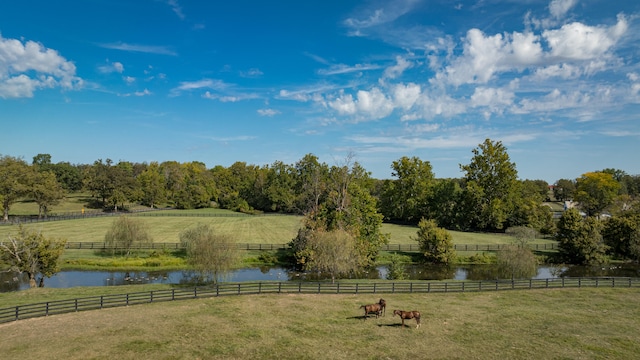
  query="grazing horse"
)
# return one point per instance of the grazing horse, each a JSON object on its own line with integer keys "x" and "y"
{"x": 408, "y": 315}
{"x": 374, "y": 308}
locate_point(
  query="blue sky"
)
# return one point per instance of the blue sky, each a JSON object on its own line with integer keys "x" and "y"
{"x": 558, "y": 82}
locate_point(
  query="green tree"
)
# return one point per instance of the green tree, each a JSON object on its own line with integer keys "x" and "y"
{"x": 406, "y": 198}
{"x": 100, "y": 180}
{"x": 281, "y": 185}
{"x": 595, "y": 191}
{"x": 311, "y": 179}
{"x": 396, "y": 268}
{"x": 32, "y": 253}
{"x": 16, "y": 177}
{"x": 346, "y": 204}
{"x": 152, "y": 185}
{"x": 492, "y": 181}
{"x": 436, "y": 244}
{"x": 209, "y": 253}
{"x": 333, "y": 252}
{"x": 197, "y": 188}
{"x": 579, "y": 239}
{"x": 523, "y": 235}
{"x": 124, "y": 233}
{"x": 46, "y": 191}
{"x": 517, "y": 262}
{"x": 622, "y": 235}
{"x": 564, "y": 189}
{"x": 444, "y": 203}
{"x": 69, "y": 176}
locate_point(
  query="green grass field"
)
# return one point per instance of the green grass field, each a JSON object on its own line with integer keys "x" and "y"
{"x": 261, "y": 229}
{"x": 587, "y": 323}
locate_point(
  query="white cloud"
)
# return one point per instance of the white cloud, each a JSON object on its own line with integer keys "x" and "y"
{"x": 150, "y": 49}
{"x": 27, "y": 67}
{"x": 145, "y": 92}
{"x": 177, "y": 9}
{"x": 375, "y": 17}
{"x": 496, "y": 100}
{"x": 558, "y": 8}
{"x": 393, "y": 72}
{"x": 483, "y": 56}
{"x": 251, "y": 73}
{"x": 405, "y": 96}
{"x": 440, "y": 105}
{"x": 112, "y": 67}
{"x": 200, "y": 84}
{"x": 368, "y": 105}
{"x": 577, "y": 41}
{"x": 268, "y": 112}
{"x": 345, "y": 69}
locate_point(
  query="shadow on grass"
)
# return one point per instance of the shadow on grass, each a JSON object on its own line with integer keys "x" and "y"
{"x": 395, "y": 325}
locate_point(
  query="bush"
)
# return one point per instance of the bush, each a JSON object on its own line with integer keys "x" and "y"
{"x": 435, "y": 243}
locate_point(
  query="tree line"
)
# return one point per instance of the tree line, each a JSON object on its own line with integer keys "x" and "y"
{"x": 343, "y": 204}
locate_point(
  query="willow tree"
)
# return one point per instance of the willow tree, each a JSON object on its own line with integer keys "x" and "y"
{"x": 124, "y": 233}
{"x": 210, "y": 254}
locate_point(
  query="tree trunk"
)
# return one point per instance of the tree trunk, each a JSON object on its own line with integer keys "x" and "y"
{"x": 32, "y": 280}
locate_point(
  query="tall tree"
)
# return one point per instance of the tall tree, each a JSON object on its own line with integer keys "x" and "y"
{"x": 406, "y": 197}
{"x": 46, "y": 191}
{"x": 311, "y": 183}
{"x": 444, "y": 203}
{"x": 197, "y": 187}
{"x": 622, "y": 235}
{"x": 152, "y": 185}
{"x": 564, "y": 189}
{"x": 32, "y": 253}
{"x": 347, "y": 205}
{"x": 595, "y": 191}
{"x": 492, "y": 180}
{"x": 281, "y": 184}
{"x": 579, "y": 239}
{"x": 16, "y": 177}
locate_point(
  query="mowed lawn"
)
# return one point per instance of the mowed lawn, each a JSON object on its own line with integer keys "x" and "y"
{"x": 165, "y": 227}
{"x": 585, "y": 323}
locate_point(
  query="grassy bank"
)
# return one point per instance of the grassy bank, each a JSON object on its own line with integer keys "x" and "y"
{"x": 528, "y": 324}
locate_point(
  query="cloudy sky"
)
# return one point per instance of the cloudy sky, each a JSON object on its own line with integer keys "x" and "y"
{"x": 557, "y": 82}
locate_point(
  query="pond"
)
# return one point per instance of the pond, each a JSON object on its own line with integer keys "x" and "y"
{"x": 66, "y": 279}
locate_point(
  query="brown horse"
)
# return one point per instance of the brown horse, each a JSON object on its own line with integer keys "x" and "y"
{"x": 374, "y": 308}
{"x": 408, "y": 315}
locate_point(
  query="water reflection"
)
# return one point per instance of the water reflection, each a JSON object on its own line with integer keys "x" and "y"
{"x": 65, "y": 279}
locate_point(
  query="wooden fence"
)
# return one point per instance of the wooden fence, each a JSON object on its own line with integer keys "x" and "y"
{"x": 21, "y": 312}
{"x": 251, "y": 246}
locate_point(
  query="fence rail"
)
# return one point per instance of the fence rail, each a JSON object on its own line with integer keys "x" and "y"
{"x": 21, "y": 312}
{"x": 86, "y": 245}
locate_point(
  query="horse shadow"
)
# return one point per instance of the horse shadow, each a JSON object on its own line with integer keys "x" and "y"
{"x": 362, "y": 317}
{"x": 395, "y": 325}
